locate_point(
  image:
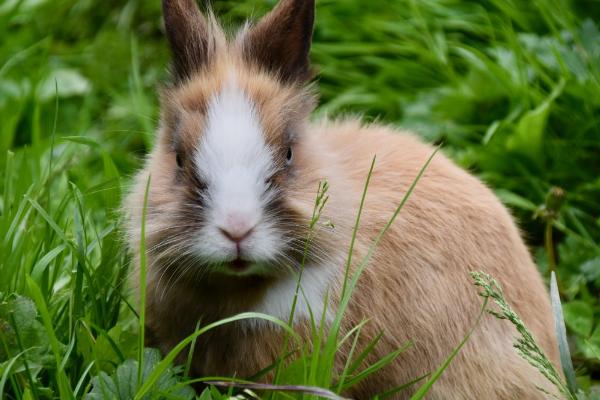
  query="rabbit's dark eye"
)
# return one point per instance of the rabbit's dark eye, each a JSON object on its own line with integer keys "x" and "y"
{"x": 289, "y": 155}
{"x": 179, "y": 160}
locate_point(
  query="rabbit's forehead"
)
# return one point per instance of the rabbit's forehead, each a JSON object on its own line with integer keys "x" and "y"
{"x": 233, "y": 138}
{"x": 276, "y": 107}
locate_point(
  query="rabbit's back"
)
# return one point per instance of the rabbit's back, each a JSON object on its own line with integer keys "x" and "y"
{"x": 417, "y": 285}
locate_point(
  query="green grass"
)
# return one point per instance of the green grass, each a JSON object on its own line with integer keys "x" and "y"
{"x": 511, "y": 89}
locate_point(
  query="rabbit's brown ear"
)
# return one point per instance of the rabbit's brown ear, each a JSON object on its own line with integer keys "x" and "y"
{"x": 281, "y": 41}
{"x": 189, "y": 35}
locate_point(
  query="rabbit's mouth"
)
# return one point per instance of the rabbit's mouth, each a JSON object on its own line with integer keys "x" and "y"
{"x": 240, "y": 268}
{"x": 238, "y": 265}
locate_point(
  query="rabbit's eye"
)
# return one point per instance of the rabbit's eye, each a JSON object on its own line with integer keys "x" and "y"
{"x": 179, "y": 160}
{"x": 289, "y": 155}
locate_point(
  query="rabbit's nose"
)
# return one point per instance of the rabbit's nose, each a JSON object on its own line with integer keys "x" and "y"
{"x": 237, "y": 227}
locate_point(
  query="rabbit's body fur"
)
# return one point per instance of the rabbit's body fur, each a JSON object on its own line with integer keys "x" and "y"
{"x": 416, "y": 287}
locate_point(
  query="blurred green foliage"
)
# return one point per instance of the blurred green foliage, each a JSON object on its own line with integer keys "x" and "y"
{"x": 511, "y": 88}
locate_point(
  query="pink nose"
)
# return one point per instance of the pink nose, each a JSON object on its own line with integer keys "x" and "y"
{"x": 237, "y": 228}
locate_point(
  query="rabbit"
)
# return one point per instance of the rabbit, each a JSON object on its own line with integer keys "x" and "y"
{"x": 231, "y": 185}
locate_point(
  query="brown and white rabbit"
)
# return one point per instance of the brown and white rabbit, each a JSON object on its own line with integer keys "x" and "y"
{"x": 234, "y": 175}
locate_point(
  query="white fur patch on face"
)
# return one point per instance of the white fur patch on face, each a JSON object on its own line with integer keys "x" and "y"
{"x": 235, "y": 162}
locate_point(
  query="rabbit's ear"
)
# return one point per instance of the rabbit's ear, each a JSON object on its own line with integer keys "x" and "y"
{"x": 281, "y": 41}
{"x": 189, "y": 35}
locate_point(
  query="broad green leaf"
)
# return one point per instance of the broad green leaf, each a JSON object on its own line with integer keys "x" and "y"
{"x": 529, "y": 132}
{"x": 70, "y": 82}
{"x": 122, "y": 385}
{"x": 19, "y": 315}
{"x": 579, "y": 317}
{"x": 591, "y": 345}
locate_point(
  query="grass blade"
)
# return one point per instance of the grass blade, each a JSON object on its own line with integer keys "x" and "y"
{"x": 169, "y": 358}
{"x": 561, "y": 335}
{"x": 64, "y": 385}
